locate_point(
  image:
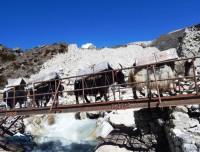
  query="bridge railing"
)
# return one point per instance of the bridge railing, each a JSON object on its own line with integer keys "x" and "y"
{"x": 117, "y": 92}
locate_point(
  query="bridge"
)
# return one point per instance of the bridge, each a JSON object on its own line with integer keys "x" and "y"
{"x": 186, "y": 88}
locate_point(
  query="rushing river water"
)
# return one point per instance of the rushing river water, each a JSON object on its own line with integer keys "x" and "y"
{"x": 67, "y": 135}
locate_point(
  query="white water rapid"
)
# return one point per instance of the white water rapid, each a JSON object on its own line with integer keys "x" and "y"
{"x": 66, "y": 134}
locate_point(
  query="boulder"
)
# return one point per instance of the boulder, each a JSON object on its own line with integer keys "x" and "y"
{"x": 93, "y": 115}
{"x": 189, "y": 148}
{"x": 81, "y": 115}
{"x": 181, "y": 109}
{"x": 122, "y": 118}
{"x": 111, "y": 148}
{"x": 179, "y": 116}
{"x": 51, "y": 120}
{"x": 103, "y": 130}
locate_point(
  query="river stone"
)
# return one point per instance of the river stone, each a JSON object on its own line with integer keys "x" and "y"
{"x": 179, "y": 116}
{"x": 103, "y": 130}
{"x": 51, "y": 120}
{"x": 178, "y": 124}
{"x": 125, "y": 119}
{"x": 181, "y": 109}
{"x": 189, "y": 148}
{"x": 195, "y": 106}
{"x": 93, "y": 114}
{"x": 185, "y": 138}
{"x": 193, "y": 122}
{"x": 81, "y": 115}
{"x": 111, "y": 148}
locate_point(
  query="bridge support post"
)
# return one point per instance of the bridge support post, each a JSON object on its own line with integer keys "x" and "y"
{"x": 195, "y": 78}
{"x": 154, "y": 72}
{"x": 33, "y": 101}
{"x": 113, "y": 77}
{"x": 83, "y": 89}
{"x": 55, "y": 96}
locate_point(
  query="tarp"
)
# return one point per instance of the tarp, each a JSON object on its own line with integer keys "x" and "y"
{"x": 93, "y": 69}
{"x": 158, "y": 57}
{"x": 47, "y": 77}
{"x": 16, "y": 82}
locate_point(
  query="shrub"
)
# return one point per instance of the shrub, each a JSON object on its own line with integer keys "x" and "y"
{"x": 3, "y": 81}
{"x": 7, "y": 57}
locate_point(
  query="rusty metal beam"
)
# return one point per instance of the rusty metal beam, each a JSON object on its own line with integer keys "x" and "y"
{"x": 111, "y": 105}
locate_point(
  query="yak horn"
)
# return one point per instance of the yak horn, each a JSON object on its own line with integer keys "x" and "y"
{"x": 120, "y": 65}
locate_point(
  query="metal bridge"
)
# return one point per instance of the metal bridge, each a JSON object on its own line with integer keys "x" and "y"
{"x": 186, "y": 88}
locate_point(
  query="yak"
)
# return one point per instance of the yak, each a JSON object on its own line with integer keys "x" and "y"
{"x": 169, "y": 70}
{"x": 18, "y": 95}
{"x": 98, "y": 84}
{"x": 44, "y": 92}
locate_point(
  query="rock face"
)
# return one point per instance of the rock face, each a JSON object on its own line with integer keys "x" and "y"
{"x": 190, "y": 43}
{"x": 170, "y": 40}
{"x": 182, "y": 131}
{"x": 186, "y": 41}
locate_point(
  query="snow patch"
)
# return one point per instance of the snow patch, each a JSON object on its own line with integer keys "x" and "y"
{"x": 88, "y": 46}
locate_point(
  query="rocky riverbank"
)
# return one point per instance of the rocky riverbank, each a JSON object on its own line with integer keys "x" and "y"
{"x": 174, "y": 129}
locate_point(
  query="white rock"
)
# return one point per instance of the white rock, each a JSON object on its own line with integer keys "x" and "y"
{"x": 111, "y": 148}
{"x": 179, "y": 116}
{"x": 83, "y": 115}
{"x": 103, "y": 130}
{"x": 126, "y": 119}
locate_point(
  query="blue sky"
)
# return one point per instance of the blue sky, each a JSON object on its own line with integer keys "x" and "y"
{"x": 30, "y": 23}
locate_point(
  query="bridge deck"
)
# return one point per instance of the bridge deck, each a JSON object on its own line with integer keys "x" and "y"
{"x": 111, "y": 105}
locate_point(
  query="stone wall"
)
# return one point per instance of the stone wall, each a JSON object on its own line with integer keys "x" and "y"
{"x": 183, "y": 132}
{"x": 150, "y": 124}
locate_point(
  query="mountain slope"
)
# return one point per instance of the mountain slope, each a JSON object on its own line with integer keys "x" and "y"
{"x": 71, "y": 59}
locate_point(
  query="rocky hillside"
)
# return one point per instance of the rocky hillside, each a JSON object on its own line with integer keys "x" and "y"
{"x": 29, "y": 61}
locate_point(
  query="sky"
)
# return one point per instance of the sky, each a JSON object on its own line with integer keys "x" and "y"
{"x": 105, "y": 23}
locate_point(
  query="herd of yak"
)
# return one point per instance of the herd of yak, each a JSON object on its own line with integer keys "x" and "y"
{"x": 97, "y": 85}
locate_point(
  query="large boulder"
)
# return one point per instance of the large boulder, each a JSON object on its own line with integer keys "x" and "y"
{"x": 122, "y": 118}
{"x": 111, "y": 148}
{"x": 103, "y": 130}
